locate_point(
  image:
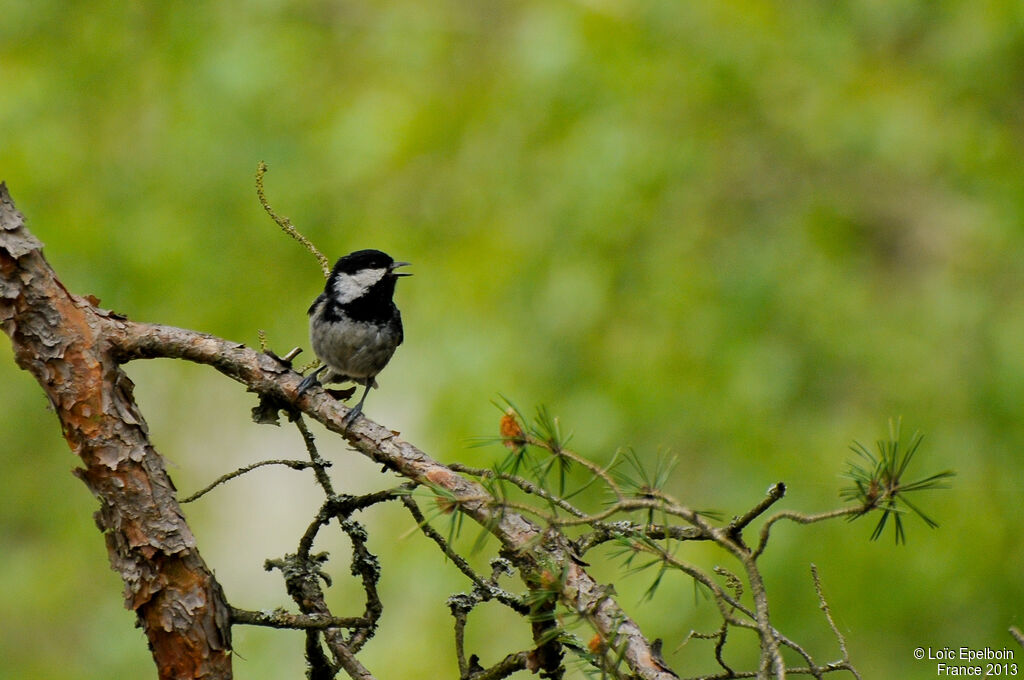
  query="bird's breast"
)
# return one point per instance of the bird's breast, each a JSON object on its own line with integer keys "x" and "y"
{"x": 355, "y": 349}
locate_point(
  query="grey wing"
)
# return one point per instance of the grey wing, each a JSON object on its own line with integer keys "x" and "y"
{"x": 399, "y": 333}
{"x": 319, "y": 298}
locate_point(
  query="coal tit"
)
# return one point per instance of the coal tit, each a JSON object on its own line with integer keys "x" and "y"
{"x": 354, "y": 326}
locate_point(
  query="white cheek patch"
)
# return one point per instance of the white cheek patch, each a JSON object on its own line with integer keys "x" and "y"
{"x": 349, "y": 287}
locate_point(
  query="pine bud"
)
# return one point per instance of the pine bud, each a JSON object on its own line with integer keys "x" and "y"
{"x": 511, "y": 432}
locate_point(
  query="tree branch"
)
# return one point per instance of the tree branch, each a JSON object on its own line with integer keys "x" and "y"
{"x": 283, "y": 619}
{"x": 271, "y": 378}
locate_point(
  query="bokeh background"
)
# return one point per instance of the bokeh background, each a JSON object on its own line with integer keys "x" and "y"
{"x": 741, "y": 233}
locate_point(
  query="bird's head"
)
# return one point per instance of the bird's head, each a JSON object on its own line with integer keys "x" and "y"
{"x": 357, "y": 274}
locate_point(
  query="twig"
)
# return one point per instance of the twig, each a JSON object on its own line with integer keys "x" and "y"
{"x": 302, "y": 571}
{"x": 792, "y": 670}
{"x": 823, "y": 603}
{"x": 593, "y": 468}
{"x": 844, "y": 663}
{"x": 610, "y": 531}
{"x": 319, "y": 464}
{"x": 293, "y": 464}
{"x": 285, "y": 223}
{"x": 341, "y": 507}
{"x": 364, "y": 563}
{"x": 738, "y": 524}
{"x": 524, "y": 484}
{"x": 279, "y": 618}
{"x": 486, "y": 589}
{"x": 723, "y": 634}
{"x": 461, "y": 606}
{"x": 800, "y": 518}
{"x": 723, "y": 600}
{"x": 506, "y": 667}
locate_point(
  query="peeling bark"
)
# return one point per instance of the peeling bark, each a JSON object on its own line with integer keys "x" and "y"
{"x": 63, "y": 340}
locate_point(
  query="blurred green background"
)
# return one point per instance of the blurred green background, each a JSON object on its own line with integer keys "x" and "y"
{"x": 742, "y": 233}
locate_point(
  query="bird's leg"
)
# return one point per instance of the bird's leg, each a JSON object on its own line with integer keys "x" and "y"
{"x": 358, "y": 408}
{"x": 310, "y": 380}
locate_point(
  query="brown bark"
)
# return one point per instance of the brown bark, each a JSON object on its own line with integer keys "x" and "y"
{"x": 63, "y": 340}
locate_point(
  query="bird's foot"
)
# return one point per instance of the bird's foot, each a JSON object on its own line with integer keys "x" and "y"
{"x": 307, "y": 382}
{"x": 352, "y": 416}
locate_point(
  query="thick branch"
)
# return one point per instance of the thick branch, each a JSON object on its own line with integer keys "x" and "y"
{"x": 64, "y": 341}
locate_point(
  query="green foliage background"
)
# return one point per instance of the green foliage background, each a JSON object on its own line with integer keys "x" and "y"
{"x": 743, "y": 232}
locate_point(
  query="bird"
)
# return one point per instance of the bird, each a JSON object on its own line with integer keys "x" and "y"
{"x": 354, "y": 325}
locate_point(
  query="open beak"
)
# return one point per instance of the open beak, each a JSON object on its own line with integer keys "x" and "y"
{"x": 396, "y": 265}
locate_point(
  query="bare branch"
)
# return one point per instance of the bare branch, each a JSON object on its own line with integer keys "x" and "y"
{"x": 267, "y": 376}
{"x": 845, "y": 661}
{"x": 506, "y": 667}
{"x": 610, "y": 531}
{"x": 524, "y": 484}
{"x": 738, "y": 524}
{"x": 800, "y": 518}
{"x": 486, "y": 589}
{"x": 285, "y": 223}
{"x": 279, "y": 618}
{"x": 293, "y": 464}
